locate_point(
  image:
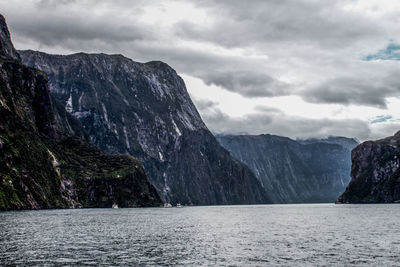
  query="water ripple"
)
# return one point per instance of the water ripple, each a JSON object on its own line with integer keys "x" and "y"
{"x": 273, "y": 235}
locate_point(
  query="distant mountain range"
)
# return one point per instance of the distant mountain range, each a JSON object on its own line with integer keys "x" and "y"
{"x": 302, "y": 171}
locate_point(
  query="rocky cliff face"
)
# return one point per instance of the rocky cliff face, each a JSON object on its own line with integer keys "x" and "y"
{"x": 41, "y": 166}
{"x": 292, "y": 171}
{"x": 144, "y": 110}
{"x": 7, "y": 50}
{"x": 375, "y": 172}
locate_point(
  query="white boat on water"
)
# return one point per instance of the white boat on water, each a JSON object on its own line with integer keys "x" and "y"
{"x": 179, "y": 205}
{"x": 167, "y": 205}
{"x": 115, "y": 206}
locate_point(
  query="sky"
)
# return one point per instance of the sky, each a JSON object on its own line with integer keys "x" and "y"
{"x": 296, "y": 68}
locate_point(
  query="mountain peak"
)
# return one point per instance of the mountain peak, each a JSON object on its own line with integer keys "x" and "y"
{"x": 144, "y": 109}
{"x": 7, "y": 49}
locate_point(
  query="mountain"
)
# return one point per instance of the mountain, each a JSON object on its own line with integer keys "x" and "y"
{"x": 7, "y": 50}
{"x": 375, "y": 172}
{"x": 44, "y": 167}
{"x": 144, "y": 109}
{"x": 348, "y": 143}
{"x": 306, "y": 171}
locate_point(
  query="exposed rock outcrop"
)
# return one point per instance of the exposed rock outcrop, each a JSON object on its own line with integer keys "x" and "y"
{"x": 375, "y": 172}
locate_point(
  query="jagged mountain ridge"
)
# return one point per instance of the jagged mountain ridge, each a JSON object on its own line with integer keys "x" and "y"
{"x": 313, "y": 170}
{"x": 375, "y": 172}
{"x": 41, "y": 166}
{"x": 143, "y": 109}
{"x": 346, "y": 142}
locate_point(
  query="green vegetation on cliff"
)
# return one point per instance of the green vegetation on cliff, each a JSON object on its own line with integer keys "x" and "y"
{"x": 43, "y": 167}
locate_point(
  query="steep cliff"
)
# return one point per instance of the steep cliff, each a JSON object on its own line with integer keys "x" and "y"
{"x": 313, "y": 170}
{"x": 41, "y": 166}
{"x": 144, "y": 110}
{"x": 7, "y": 50}
{"x": 375, "y": 172}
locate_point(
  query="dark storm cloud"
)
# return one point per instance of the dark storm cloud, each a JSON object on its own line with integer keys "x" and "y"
{"x": 249, "y": 23}
{"x": 56, "y": 29}
{"x": 370, "y": 90}
{"x": 249, "y": 84}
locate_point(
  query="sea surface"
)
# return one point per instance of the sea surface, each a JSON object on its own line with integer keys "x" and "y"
{"x": 259, "y": 235}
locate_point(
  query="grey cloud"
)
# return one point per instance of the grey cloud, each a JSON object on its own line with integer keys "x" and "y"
{"x": 248, "y": 23}
{"x": 274, "y": 121}
{"x": 384, "y": 129}
{"x": 229, "y": 72}
{"x": 248, "y": 84}
{"x": 237, "y": 23}
{"x": 371, "y": 91}
{"x": 51, "y": 4}
{"x": 278, "y": 123}
{"x": 57, "y": 29}
{"x": 204, "y": 104}
{"x": 261, "y": 109}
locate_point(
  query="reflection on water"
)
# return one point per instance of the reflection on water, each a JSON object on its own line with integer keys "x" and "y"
{"x": 321, "y": 234}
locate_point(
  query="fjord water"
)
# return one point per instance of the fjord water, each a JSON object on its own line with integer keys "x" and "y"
{"x": 313, "y": 234}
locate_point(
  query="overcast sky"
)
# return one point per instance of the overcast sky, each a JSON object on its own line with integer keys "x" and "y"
{"x": 300, "y": 68}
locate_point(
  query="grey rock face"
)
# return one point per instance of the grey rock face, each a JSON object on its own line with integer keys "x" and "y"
{"x": 375, "y": 172}
{"x": 144, "y": 110}
{"x": 6, "y": 47}
{"x": 295, "y": 171}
